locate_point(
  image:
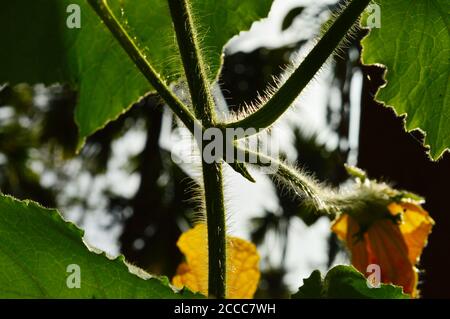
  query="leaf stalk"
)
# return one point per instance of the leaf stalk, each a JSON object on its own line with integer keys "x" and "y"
{"x": 282, "y": 99}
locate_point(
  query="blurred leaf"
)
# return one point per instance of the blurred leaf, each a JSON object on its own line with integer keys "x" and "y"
{"x": 308, "y": 215}
{"x": 345, "y": 282}
{"x": 262, "y": 225}
{"x": 37, "y": 246}
{"x": 37, "y": 46}
{"x": 290, "y": 17}
{"x": 414, "y": 45}
{"x": 312, "y": 287}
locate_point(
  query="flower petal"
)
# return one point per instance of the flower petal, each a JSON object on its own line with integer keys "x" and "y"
{"x": 243, "y": 269}
{"x": 194, "y": 272}
{"x": 382, "y": 244}
{"x": 388, "y": 249}
{"x": 340, "y": 227}
{"x": 416, "y": 226}
{"x": 347, "y": 229}
{"x": 242, "y": 264}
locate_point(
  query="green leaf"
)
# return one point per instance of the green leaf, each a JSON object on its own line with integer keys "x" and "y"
{"x": 414, "y": 45}
{"x": 345, "y": 282}
{"x": 37, "y": 46}
{"x": 312, "y": 287}
{"x": 37, "y": 246}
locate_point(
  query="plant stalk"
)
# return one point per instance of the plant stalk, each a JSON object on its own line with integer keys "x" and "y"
{"x": 294, "y": 85}
{"x": 194, "y": 66}
{"x": 308, "y": 189}
{"x": 216, "y": 223}
{"x": 204, "y": 109}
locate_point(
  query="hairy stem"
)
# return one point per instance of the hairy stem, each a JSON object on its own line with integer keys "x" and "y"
{"x": 193, "y": 63}
{"x": 304, "y": 186}
{"x": 204, "y": 108}
{"x": 195, "y": 69}
{"x": 308, "y": 189}
{"x": 294, "y": 85}
{"x": 215, "y": 216}
{"x": 327, "y": 201}
{"x": 106, "y": 15}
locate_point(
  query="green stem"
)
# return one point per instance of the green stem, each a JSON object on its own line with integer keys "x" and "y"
{"x": 289, "y": 91}
{"x": 215, "y": 216}
{"x": 308, "y": 189}
{"x": 204, "y": 108}
{"x": 193, "y": 63}
{"x": 106, "y": 15}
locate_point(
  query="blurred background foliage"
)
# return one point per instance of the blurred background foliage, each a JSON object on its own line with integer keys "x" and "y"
{"x": 38, "y": 137}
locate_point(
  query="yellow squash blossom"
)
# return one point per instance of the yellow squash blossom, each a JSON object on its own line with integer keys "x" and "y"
{"x": 242, "y": 264}
{"x": 394, "y": 246}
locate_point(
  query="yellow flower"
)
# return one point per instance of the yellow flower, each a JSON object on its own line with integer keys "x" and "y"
{"x": 395, "y": 247}
{"x": 242, "y": 264}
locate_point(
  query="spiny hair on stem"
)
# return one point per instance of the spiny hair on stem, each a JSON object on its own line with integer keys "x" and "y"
{"x": 275, "y": 84}
{"x": 199, "y": 33}
{"x": 191, "y": 165}
{"x": 303, "y": 186}
{"x": 352, "y": 196}
{"x": 289, "y": 69}
{"x": 196, "y": 200}
{"x": 349, "y": 36}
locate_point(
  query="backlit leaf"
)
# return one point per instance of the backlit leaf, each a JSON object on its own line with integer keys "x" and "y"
{"x": 40, "y": 253}
{"x": 413, "y": 43}
{"x": 38, "y": 47}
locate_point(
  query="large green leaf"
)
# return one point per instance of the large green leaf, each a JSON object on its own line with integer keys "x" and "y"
{"x": 345, "y": 282}
{"x": 37, "y": 246}
{"x": 37, "y": 46}
{"x": 414, "y": 44}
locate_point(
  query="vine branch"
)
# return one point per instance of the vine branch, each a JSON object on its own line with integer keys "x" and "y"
{"x": 360, "y": 196}
{"x": 304, "y": 186}
{"x": 299, "y": 79}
